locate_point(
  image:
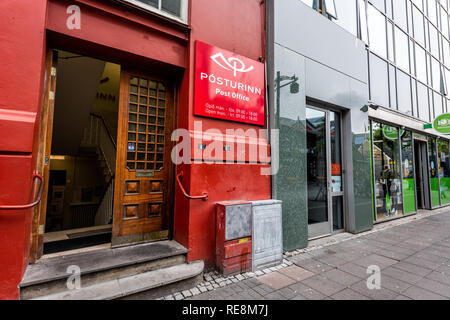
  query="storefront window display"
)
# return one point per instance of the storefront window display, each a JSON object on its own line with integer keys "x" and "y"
{"x": 387, "y": 171}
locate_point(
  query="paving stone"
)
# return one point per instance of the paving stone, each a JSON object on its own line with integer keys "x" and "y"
{"x": 210, "y": 287}
{"x": 276, "y": 280}
{"x": 274, "y": 296}
{"x": 314, "y": 266}
{"x": 187, "y": 293}
{"x": 354, "y": 270}
{"x": 401, "y": 275}
{"x": 240, "y": 277}
{"x": 377, "y": 260}
{"x": 215, "y": 286}
{"x": 348, "y": 294}
{"x": 412, "y": 268}
{"x": 306, "y": 292}
{"x": 402, "y": 297}
{"x": 171, "y": 297}
{"x": 287, "y": 293}
{"x": 296, "y": 273}
{"x": 423, "y": 262}
{"x": 377, "y": 294}
{"x": 434, "y": 286}
{"x": 439, "y": 276}
{"x": 323, "y": 285}
{"x": 259, "y": 273}
{"x": 417, "y": 293}
{"x": 393, "y": 284}
{"x": 179, "y": 297}
{"x": 341, "y": 277}
{"x": 204, "y": 289}
{"x": 195, "y": 291}
{"x": 262, "y": 289}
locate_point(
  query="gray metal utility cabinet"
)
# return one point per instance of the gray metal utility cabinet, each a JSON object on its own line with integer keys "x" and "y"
{"x": 267, "y": 234}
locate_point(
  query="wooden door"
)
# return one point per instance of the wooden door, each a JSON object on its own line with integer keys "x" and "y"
{"x": 43, "y": 159}
{"x": 143, "y": 193}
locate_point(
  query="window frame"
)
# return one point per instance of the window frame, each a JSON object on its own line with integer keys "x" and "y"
{"x": 183, "y": 18}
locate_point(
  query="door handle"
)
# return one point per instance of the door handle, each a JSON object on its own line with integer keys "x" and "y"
{"x": 204, "y": 197}
{"x": 30, "y": 205}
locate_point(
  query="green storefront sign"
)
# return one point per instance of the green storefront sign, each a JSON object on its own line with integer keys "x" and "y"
{"x": 442, "y": 123}
{"x": 391, "y": 133}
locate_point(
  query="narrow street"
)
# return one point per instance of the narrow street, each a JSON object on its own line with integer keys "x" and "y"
{"x": 414, "y": 258}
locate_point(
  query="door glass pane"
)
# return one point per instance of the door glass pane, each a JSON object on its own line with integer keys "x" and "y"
{"x": 444, "y": 171}
{"x": 387, "y": 174}
{"x": 409, "y": 197}
{"x": 338, "y": 216}
{"x": 316, "y": 166}
{"x": 335, "y": 144}
{"x": 434, "y": 182}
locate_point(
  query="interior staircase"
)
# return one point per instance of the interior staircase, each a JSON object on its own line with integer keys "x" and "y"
{"x": 97, "y": 138}
{"x": 146, "y": 271}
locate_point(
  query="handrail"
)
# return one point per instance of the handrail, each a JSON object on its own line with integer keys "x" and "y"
{"x": 30, "y": 205}
{"x": 106, "y": 127}
{"x": 204, "y": 197}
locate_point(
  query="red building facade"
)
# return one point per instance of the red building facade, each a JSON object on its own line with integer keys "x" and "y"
{"x": 136, "y": 39}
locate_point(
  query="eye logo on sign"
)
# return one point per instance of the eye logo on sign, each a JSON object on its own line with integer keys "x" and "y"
{"x": 232, "y": 64}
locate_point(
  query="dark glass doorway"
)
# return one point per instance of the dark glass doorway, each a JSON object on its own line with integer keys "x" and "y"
{"x": 324, "y": 172}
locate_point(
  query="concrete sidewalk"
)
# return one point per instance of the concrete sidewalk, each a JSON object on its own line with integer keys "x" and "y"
{"x": 413, "y": 254}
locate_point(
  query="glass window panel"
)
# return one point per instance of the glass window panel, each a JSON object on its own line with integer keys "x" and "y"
{"x": 432, "y": 11}
{"x": 401, "y": 49}
{"x": 377, "y": 31}
{"x": 392, "y": 87}
{"x": 330, "y": 8}
{"x": 438, "y": 107}
{"x": 434, "y": 42}
{"x": 419, "y": 32}
{"x": 363, "y": 21}
{"x": 444, "y": 23}
{"x": 418, "y": 3}
{"x": 171, "y": 6}
{"x": 379, "y": 90}
{"x": 404, "y": 93}
{"x": 446, "y": 52}
{"x": 422, "y": 102}
{"x": 444, "y": 171}
{"x": 436, "y": 74}
{"x": 387, "y": 171}
{"x": 346, "y": 15}
{"x": 379, "y": 4}
{"x": 133, "y": 117}
{"x": 153, "y": 3}
{"x": 421, "y": 64}
{"x": 390, "y": 37}
{"x": 412, "y": 64}
{"x": 400, "y": 13}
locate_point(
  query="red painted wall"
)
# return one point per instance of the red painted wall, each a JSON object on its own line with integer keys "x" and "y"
{"x": 120, "y": 34}
{"x": 237, "y": 26}
{"x": 22, "y": 37}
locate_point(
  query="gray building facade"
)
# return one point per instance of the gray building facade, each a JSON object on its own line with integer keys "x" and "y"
{"x": 352, "y": 87}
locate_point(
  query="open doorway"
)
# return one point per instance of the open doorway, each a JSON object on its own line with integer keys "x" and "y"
{"x": 82, "y": 160}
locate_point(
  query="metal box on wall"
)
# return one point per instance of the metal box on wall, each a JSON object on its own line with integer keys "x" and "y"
{"x": 233, "y": 236}
{"x": 267, "y": 234}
